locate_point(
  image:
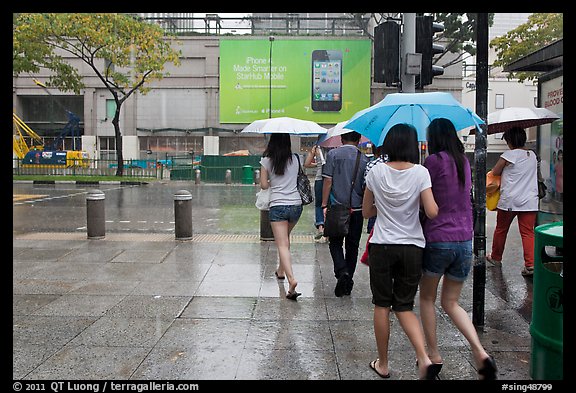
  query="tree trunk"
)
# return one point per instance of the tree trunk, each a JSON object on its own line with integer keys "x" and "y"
{"x": 118, "y": 135}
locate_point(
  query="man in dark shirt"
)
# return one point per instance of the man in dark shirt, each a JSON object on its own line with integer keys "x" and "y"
{"x": 338, "y": 173}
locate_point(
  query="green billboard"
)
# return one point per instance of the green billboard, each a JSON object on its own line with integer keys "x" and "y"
{"x": 326, "y": 81}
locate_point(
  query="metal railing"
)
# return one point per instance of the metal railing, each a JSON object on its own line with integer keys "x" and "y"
{"x": 290, "y": 24}
{"x": 92, "y": 167}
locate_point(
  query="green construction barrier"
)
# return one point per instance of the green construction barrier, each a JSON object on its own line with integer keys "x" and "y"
{"x": 546, "y": 328}
{"x": 214, "y": 168}
{"x": 182, "y": 173}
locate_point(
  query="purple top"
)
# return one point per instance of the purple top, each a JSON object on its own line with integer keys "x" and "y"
{"x": 454, "y": 220}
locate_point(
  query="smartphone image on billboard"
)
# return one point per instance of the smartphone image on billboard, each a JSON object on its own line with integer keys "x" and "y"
{"x": 326, "y": 80}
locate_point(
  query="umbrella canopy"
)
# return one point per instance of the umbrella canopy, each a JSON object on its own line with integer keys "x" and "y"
{"x": 332, "y": 137}
{"x": 418, "y": 109}
{"x": 287, "y": 125}
{"x": 504, "y": 119}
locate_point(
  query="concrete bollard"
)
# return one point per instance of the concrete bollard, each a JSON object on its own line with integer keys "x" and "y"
{"x": 95, "y": 215}
{"x": 257, "y": 177}
{"x": 197, "y": 176}
{"x": 183, "y": 215}
{"x": 228, "y": 176}
{"x": 266, "y": 233}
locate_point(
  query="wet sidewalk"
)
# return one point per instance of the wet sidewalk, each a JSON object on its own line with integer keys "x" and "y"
{"x": 145, "y": 306}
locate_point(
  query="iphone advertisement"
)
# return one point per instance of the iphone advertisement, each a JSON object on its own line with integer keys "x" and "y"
{"x": 326, "y": 81}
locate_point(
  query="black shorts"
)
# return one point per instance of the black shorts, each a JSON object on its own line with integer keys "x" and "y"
{"x": 395, "y": 271}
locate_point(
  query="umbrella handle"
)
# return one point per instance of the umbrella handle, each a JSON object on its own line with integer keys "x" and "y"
{"x": 475, "y": 122}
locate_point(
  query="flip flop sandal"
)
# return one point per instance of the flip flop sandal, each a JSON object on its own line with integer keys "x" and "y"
{"x": 373, "y": 367}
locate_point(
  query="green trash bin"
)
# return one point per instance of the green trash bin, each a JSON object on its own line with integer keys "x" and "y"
{"x": 546, "y": 328}
{"x": 247, "y": 175}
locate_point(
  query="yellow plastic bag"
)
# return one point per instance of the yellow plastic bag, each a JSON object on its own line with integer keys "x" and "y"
{"x": 492, "y": 191}
{"x": 492, "y": 200}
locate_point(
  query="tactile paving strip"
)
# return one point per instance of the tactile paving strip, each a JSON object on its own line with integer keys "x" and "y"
{"x": 158, "y": 237}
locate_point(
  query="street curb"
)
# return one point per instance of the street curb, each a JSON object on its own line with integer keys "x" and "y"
{"x": 83, "y": 183}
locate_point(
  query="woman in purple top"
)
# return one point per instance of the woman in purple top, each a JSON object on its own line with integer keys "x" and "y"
{"x": 448, "y": 250}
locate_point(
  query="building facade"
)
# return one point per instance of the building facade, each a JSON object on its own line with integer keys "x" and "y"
{"x": 181, "y": 112}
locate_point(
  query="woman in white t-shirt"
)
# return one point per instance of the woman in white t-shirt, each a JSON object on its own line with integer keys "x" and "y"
{"x": 394, "y": 192}
{"x": 518, "y": 197}
{"x": 279, "y": 171}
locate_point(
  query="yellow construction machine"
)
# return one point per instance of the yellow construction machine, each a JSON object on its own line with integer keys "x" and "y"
{"x": 37, "y": 155}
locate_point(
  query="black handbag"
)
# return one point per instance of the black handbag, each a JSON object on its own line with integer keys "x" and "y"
{"x": 541, "y": 189}
{"x": 541, "y": 186}
{"x": 303, "y": 185}
{"x": 337, "y": 219}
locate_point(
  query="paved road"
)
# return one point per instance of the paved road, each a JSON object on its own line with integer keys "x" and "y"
{"x": 147, "y": 208}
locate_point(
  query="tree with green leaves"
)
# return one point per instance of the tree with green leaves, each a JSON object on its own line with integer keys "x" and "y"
{"x": 459, "y": 35}
{"x": 541, "y": 29}
{"x": 124, "y": 53}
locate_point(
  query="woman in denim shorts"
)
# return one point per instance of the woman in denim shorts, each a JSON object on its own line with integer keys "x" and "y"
{"x": 279, "y": 171}
{"x": 448, "y": 250}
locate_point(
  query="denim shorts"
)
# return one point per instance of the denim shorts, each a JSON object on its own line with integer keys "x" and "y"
{"x": 453, "y": 259}
{"x": 290, "y": 213}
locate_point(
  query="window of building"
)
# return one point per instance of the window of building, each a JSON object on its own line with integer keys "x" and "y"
{"x": 160, "y": 147}
{"x": 499, "y": 101}
{"x": 108, "y": 148}
{"x": 47, "y": 115}
{"x": 110, "y": 109}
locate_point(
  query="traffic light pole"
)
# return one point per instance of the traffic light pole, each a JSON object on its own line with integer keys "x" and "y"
{"x": 479, "y": 276}
{"x": 408, "y": 46}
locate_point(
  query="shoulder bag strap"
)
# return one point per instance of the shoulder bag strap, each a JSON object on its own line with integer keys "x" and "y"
{"x": 354, "y": 178}
{"x": 300, "y": 170}
{"x": 538, "y": 173}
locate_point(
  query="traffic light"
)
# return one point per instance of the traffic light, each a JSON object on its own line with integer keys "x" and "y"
{"x": 387, "y": 53}
{"x": 425, "y": 30}
{"x": 423, "y": 149}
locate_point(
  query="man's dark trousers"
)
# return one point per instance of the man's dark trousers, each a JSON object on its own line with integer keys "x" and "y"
{"x": 346, "y": 261}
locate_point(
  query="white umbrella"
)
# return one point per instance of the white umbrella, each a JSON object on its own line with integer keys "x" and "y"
{"x": 288, "y": 125}
{"x": 332, "y": 137}
{"x": 523, "y": 117}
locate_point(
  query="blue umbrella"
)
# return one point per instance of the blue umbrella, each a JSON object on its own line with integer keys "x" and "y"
{"x": 418, "y": 109}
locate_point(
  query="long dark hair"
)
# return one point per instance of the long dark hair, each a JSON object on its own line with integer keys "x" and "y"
{"x": 279, "y": 150}
{"x": 401, "y": 144}
{"x": 442, "y": 136}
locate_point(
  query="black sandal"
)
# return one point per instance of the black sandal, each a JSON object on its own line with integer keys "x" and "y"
{"x": 277, "y": 276}
{"x": 489, "y": 370}
{"x": 293, "y": 295}
{"x": 433, "y": 370}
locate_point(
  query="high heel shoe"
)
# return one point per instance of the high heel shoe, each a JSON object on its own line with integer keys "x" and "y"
{"x": 433, "y": 370}
{"x": 489, "y": 370}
